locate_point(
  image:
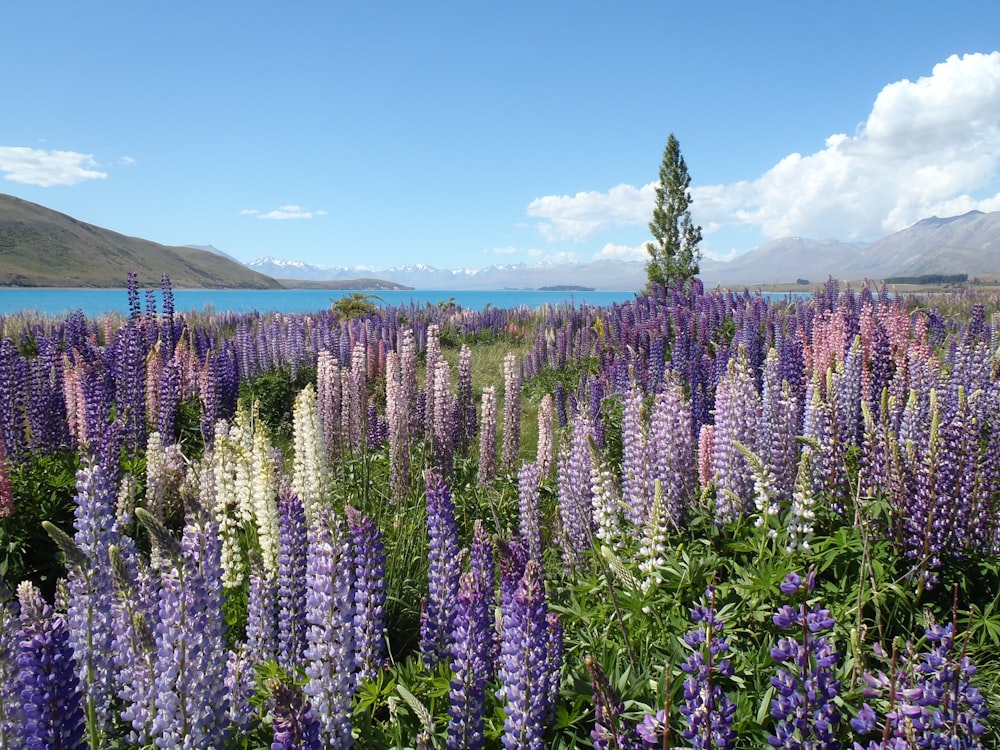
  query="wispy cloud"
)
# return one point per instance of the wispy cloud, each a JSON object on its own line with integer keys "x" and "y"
{"x": 622, "y": 252}
{"x": 35, "y": 166}
{"x": 283, "y": 212}
{"x": 928, "y": 147}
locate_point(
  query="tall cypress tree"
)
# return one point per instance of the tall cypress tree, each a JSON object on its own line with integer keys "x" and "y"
{"x": 673, "y": 253}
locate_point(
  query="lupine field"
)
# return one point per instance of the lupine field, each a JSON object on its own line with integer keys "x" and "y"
{"x": 700, "y": 519}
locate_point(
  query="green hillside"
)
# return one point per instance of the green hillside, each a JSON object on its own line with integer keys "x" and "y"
{"x": 42, "y": 247}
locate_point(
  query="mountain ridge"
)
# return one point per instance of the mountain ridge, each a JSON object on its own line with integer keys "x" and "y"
{"x": 42, "y": 247}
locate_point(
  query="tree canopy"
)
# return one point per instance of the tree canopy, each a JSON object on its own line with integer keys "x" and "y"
{"x": 673, "y": 252}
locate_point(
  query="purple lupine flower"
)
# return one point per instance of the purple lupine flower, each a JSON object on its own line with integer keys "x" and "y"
{"x": 11, "y": 715}
{"x": 529, "y": 512}
{"x": 169, "y": 398}
{"x": 369, "y": 592}
{"x": 932, "y": 702}
{"x": 6, "y": 491}
{"x": 132, "y": 290}
{"x": 560, "y": 404}
{"x": 330, "y": 660}
{"x": 488, "y": 438}
{"x": 291, "y": 579}
{"x": 511, "y": 414}
{"x": 804, "y": 709}
{"x": 262, "y": 615}
{"x": 611, "y": 731}
{"x": 191, "y": 700}
{"x": 438, "y": 616}
{"x": 709, "y": 711}
{"x": 167, "y": 335}
{"x": 51, "y": 699}
{"x": 129, "y": 369}
{"x": 295, "y": 728}
{"x": 525, "y": 669}
{"x": 472, "y": 649}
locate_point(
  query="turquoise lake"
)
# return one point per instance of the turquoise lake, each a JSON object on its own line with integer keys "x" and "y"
{"x": 94, "y": 302}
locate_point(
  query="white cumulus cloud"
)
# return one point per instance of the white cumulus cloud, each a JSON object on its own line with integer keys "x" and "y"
{"x": 283, "y": 212}
{"x": 35, "y": 166}
{"x": 576, "y": 217}
{"x": 929, "y": 147}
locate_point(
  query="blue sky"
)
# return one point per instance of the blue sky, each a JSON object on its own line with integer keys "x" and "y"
{"x": 462, "y": 134}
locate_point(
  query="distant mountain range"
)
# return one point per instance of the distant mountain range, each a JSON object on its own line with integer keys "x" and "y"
{"x": 41, "y": 247}
{"x": 967, "y": 244}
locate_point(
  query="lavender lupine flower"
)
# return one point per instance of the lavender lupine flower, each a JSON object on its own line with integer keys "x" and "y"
{"x": 672, "y": 449}
{"x": 92, "y": 594}
{"x": 488, "y": 438}
{"x": 51, "y": 700}
{"x": 737, "y": 416}
{"x": 135, "y": 647}
{"x": 466, "y": 405}
{"x": 192, "y": 704}
{"x": 511, "y": 414}
{"x": 804, "y": 710}
{"x": 399, "y": 412}
{"x": 438, "y": 616}
{"x": 295, "y": 728}
{"x": 443, "y": 418}
{"x": 329, "y": 403}
{"x": 472, "y": 649}
{"x": 637, "y": 479}
{"x": 240, "y": 685}
{"x": 709, "y": 711}
{"x": 331, "y": 664}
{"x": 529, "y": 512}
{"x": 545, "y": 452}
{"x": 291, "y": 579}
{"x": 526, "y": 668}
{"x": 574, "y": 494}
{"x": 369, "y": 592}
{"x": 611, "y": 730}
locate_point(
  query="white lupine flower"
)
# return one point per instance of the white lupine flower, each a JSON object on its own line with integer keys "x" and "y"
{"x": 652, "y": 551}
{"x": 800, "y": 528}
{"x": 308, "y": 466}
{"x": 264, "y": 497}
{"x": 607, "y": 505}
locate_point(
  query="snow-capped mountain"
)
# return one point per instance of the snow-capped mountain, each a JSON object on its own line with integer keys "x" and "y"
{"x": 960, "y": 244}
{"x": 601, "y": 275}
